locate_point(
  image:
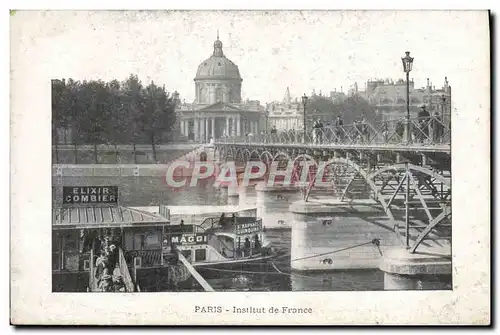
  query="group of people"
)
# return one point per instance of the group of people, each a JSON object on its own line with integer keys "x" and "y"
{"x": 247, "y": 249}
{"x": 105, "y": 265}
{"x": 426, "y": 128}
{"x": 317, "y": 131}
{"x": 430, "y": 128}
{"x": 228, "y": 223}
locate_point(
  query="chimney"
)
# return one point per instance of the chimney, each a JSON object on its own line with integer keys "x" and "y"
{"x": 428, "y": 83}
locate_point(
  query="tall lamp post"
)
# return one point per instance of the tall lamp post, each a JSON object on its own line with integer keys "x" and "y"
{"x": 407, "y": 66}
{"x": 304, "y": 103}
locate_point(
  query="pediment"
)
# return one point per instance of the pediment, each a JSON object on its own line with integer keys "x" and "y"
{"x": 218, "y": 107}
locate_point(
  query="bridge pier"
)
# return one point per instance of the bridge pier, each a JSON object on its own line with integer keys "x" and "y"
{"x": 232, "y": 195}
{"x": 429, "y": 269}
{"x": 337, "y": 235}
{"x": 247, "y": 196}
{"x": 273, "y": 203}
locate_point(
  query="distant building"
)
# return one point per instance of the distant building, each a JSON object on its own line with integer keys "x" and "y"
{"x": 337, "y": 97}
{"x": 285, "y": 114}
{"x": 218, "y": 109}
{"x": 289, "y": 112}
{"x": 389, "y": 98}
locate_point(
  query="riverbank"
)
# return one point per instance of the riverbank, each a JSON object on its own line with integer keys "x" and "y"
{"x": 120, "y": 154}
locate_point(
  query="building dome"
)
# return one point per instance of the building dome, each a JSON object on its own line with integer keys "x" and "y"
{"x": 218, "y": 66}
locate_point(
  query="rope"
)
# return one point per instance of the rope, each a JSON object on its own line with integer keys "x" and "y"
{"x": 235, "y": 271}
{"x": 375, "y": 241}
{"x": 290, "y": 274}
{"x": 257, "y": 272}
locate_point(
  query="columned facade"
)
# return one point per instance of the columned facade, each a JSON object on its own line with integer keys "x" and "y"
{"x": 218, "y": 110}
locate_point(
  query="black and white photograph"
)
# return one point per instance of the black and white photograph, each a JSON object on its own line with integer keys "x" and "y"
{"x": 258, "y": 151}
{"x": 157, "y": 188}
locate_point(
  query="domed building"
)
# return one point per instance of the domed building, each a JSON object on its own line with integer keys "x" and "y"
{"x": 218, "y": 110}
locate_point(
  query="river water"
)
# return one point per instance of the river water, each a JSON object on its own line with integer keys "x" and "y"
{"x": 149, "y": 191}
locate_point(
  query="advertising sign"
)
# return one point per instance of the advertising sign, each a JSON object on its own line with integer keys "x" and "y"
{"x": 187, "y": 239}
{"x": 90, "y": 195}
{"x": 248, "y": 228}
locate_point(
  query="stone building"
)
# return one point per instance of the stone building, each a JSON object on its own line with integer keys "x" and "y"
{"x": 389, "y": 98}
{"x": 286, "y": 114}
{"x": 218, "y": 109}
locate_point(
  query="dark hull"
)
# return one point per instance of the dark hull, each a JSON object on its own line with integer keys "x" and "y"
{"x": 249, "y": 266}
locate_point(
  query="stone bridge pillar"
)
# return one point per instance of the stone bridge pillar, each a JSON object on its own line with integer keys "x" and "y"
{"x": 247, "y": 196}
{"x": 321, "y": 228}
{"x": 428, "y": 270}
{"x": 273, "y": 203}
{"x": 232, "y": 195}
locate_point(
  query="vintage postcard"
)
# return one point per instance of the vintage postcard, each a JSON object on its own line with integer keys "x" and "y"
{"x": 257, "y": 167}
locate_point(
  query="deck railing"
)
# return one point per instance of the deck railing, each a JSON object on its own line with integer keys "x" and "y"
{"x": 127, "y": 279}
{"x": 424, "y": 130}
{"x": 149, "y": 258}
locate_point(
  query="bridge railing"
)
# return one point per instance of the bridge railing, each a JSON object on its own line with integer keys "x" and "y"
{"x": 424, "y": 130}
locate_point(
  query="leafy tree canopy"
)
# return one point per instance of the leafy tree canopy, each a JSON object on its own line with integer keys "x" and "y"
{"x": 351, "y": 109}
{"x": 113, "y": 112}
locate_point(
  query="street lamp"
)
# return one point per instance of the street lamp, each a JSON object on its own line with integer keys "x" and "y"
{"x": 304, "y": 103}
{"x": 407, "y": 66}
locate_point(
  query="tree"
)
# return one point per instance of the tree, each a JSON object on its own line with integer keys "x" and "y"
{"x": 112, "y": 112}
{"x": 351, "y": 109}
{"x": 356, "y": 107}
{"x": 158, "y": 114}
{"x": 93, "y": 114}
{"x": 133, "y": 100}
{"x": 58, "y": 115}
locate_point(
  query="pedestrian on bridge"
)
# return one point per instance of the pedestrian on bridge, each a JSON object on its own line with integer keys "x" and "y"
{"x": 358, "y": 127}
{"x": 437, "y": 128}
{"x": 364, "y": 130}
{"x": 292, "y": 135}
{"x": 317, "y": 131}
{"x": 385, "y": 131}
{"x": 339, "y": 125}
{"x": 423, "y": 120}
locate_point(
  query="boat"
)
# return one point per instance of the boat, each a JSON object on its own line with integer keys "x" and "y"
{"x": 80, "y": 233}
{"x": 217, "y": 237}
{"x": 148, "y": 243}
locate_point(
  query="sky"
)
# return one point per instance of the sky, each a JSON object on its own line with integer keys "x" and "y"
{"x": 302, "y": 50}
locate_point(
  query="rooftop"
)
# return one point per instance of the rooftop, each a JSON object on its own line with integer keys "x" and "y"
{"x": 103, "y": 217}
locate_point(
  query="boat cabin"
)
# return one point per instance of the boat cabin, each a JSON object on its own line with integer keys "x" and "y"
{"x": 79, "y": 234}
{"x": 214, "y": 239}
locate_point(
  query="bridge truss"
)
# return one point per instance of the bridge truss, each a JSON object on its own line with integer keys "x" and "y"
{"x": 410, "y": 182}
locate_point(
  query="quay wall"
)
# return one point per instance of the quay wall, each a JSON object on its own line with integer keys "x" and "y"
{"x": 119, "y": 155}
{"x": 109, "y": 170}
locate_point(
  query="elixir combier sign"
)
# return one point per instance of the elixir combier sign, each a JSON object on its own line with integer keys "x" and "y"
{"x": 90, "y": 195}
